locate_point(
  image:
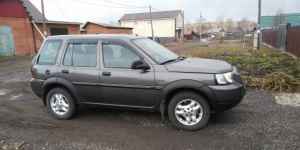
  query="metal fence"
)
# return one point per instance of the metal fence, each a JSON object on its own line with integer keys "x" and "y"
{"x": 284, "y": 38}
{"x": 275, "y": 36}
{"x": 293, "y": 40}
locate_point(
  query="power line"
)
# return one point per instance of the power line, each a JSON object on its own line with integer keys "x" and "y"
{"x": 156, "y": 9}
{"x": 132, "y": 5}
{"x": 123, "y": 4}
{"x": 105, "y": 5}
{"x": 60, "y": 9}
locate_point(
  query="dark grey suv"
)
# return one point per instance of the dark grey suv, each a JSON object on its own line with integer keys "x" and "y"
{"x": 125, "y": 71}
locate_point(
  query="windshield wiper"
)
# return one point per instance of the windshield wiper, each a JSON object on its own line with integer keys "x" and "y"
{"x": 173, "y": 60}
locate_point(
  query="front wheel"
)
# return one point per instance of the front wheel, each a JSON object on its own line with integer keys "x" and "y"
{"x": 189, "y": 111}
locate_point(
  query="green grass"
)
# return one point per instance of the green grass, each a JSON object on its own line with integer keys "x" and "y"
{"x": 2, "y": 57}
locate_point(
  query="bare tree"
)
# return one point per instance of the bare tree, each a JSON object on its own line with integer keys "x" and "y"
{"x": 229, "y": 25}
{"x": 246, "y": 25}
{"x": 220, "y": 22}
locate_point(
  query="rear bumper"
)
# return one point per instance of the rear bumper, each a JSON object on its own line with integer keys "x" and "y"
{"x": 36, "y": 86}
{"x": 227, "y": 96}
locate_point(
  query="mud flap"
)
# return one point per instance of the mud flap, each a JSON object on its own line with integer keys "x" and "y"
{"x": 162, "y": 110}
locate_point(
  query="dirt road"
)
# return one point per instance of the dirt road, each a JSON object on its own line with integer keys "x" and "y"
{"x": 257, "y": 123}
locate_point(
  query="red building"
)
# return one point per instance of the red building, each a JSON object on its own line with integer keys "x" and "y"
{"x": 19, "y": 35}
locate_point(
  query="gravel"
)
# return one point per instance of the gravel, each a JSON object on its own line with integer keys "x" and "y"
{"x": 259, "y": 122}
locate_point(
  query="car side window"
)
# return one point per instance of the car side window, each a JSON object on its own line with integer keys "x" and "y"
{"x": 118, "y": 56}
{"x": 49, "y": 52}
{"x": 81, "y": 55}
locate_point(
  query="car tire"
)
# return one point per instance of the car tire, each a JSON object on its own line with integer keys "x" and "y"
{"x": 183, "y": 112}
{"x": 60, "y": 104}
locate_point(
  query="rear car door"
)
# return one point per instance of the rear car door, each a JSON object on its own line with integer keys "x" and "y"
{"x": 121, "y": 85}
{"x": 80, "y": 66}
{"x": 46, "y": 61}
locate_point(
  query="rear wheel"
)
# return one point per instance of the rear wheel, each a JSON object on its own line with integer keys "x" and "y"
{"x": 60, "y": 104}
{"x": 188, "y": 111}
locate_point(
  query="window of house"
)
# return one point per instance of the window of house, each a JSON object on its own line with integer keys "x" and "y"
{"x": 81, "y": 55}
{"x": 49, "y": 52}
{"x": 118, "y": 56}
{"x": 59, "y": 31}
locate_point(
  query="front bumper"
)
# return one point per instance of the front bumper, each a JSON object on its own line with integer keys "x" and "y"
{"x": 227, "y": 96}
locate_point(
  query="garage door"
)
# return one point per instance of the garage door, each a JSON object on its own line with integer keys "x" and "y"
{"x": 7, "y": 47}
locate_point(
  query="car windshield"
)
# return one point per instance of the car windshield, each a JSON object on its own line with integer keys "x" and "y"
{"x": 158, "y": 52}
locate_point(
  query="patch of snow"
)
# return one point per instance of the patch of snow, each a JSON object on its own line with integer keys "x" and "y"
{"x": 290, "y": 99}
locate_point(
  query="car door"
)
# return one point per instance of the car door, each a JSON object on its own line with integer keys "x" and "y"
{"x": 46, "y": 61}
{"x": 80, "y": 66}
{"x": 121, "y": 85}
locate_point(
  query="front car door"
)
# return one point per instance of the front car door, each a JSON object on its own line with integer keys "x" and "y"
{"x": 121, "y": 85}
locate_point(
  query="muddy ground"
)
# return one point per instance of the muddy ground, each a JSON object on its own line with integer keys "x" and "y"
{"x": 257, "y": 123}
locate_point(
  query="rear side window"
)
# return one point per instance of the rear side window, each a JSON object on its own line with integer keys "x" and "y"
{"x": 81, "y": 55}
{"x": 49, "y": 52}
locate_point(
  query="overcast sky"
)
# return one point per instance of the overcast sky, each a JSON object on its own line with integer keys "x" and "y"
{"x": 107, "y": 11}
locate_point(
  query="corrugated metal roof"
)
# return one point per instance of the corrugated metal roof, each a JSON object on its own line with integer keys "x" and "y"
{"x": 292, "y": 18}
{"x": 33, "y": 12}
{"x": 37, "y": 16}
{"x": 155, "y": 15}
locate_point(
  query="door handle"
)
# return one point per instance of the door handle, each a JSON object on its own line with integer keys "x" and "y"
{"x": 65, "y": 71}
{"x": 47, "y": 72}
{"x": 106, "y": 73}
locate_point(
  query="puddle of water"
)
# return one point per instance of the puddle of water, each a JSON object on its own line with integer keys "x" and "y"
{"x": 3, "y": 92}
{"x": 290, "y": 99}
{"x": 15, "y": 97}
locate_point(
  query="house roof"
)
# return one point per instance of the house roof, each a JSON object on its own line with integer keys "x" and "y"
{"x": 37, "y": 16}
{"x": 155, "y": 15}
{"x": 32, "y": 11}
{"x": 105, "y": 25}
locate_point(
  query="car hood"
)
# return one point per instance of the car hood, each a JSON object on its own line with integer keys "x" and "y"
{"x": 199, "y": 65}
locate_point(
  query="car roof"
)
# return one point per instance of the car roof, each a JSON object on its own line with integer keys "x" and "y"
{"x": 95, "y": 36}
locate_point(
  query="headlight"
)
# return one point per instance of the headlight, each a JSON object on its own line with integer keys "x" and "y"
{"x": 225, "y": 78}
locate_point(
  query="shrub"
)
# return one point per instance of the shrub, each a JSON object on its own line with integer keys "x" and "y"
{"x": 273, "y": 71}
{"x": 264, "y": 69}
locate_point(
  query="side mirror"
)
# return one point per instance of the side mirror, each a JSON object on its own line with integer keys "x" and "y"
{"x": 139, "y": 64}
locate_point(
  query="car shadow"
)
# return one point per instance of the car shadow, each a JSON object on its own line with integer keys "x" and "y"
{"x": 143, "y": 118}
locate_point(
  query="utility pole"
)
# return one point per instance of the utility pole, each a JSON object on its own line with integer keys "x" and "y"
{"x": 259, "y": 25}
{"x": 44, "y": 19}
{"x": 151, "y": 22}
{"x": 200, "y": 24}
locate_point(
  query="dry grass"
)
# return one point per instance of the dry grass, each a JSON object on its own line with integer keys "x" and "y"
{"x": 267, "y": 68}
{"x": 217, "y": 49}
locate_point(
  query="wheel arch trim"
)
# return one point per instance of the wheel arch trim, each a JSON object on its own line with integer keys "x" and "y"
{"x": 180, "y": 85}
{"x": 58, "y": 82}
